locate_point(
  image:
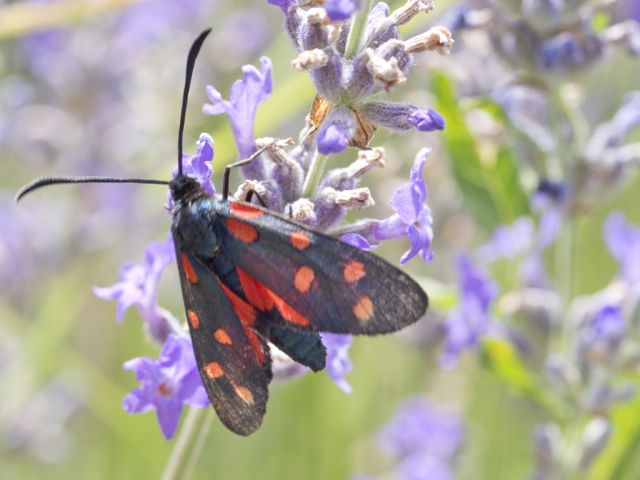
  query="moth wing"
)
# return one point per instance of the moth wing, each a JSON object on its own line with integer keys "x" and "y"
{"x": 316, "y": 282}
{"x": 232, "y": 359}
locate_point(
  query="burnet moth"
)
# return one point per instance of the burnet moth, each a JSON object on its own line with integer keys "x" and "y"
{"x": 250, "y": 276}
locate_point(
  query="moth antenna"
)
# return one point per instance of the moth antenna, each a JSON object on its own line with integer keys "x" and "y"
{"x": 46, "y": 181}
{"x": 191, "y": 60}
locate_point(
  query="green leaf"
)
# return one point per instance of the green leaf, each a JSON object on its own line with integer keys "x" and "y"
{"x": 490, "y": 182}
{"x": 502, "y": 359}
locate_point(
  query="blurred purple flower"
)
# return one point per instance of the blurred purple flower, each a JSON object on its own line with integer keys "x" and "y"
{"x": 167, "y": 384}
{"x": 199, "y": 166}
{"x": 338, "y": 361}
{"x": 603, "y": 333}
{"x": 138, "y": 287}
{"x": 254, "y": 87}
{"x": 471, "y": 319}
{"x": 424, "y": 439}
{"x": 508, "y": 241}
{"x": 412, "y": 217}
{"x": 623, "y": 241}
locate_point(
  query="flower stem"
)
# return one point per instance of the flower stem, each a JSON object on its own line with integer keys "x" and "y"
{"x": 357, "y": 29}
{"x": 313, "y": 175}
{"x": 188, "y": 433}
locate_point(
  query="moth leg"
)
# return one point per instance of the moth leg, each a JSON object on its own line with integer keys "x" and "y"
{"x": 250, "y": 195}
{"x": 239, "y": 163}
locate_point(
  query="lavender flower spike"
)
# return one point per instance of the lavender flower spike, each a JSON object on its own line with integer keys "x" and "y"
{"x": 166, "y": 384}
{"x": 246, "y": 93}
{"x": 471, "y": 319}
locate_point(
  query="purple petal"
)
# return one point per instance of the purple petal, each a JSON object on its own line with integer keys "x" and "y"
{"x": 427, "y": 120}
{"x": 408, "y": 200}
{"x": 246, "y": 93}
{"x": 357, "y": 240}
{"x": 168, "y": 414}
{"x": 341, "y": 9}
{"x": 136, "y": 402}
{"x": 284, "y": 4}
{"x": 623, "y": 242}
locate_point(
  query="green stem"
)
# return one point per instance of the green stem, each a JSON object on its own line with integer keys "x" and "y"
{"x": 196, "y": 450}
{"x": 314, "y": 175}
{"x": 188, "y": 433}
{"x": 357, "y": 29}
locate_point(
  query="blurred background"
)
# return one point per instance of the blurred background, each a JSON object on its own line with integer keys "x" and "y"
{"x": 93, "y": 88}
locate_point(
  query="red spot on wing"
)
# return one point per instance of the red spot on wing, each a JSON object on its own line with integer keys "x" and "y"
{"x": 247, "y": 315}
{"x": 221, "y": 336}
{"x": 353, "y": 271}
{"x": 194, "y": 319}
{"x": 213, "y": 370}
{"x": 245, "y": 312}
{"x": 264, "y": 299}
{"x": 290, "y": 314}
{"x": 300, "y": 239}
{"x": 245, "y": 211}
{"x": 303, "y": 279}
{"x": 242, "y": 230}
{"x": 187, "y": 268}
{"x": 256, "y": 345}
{"x": 256, "y": 293}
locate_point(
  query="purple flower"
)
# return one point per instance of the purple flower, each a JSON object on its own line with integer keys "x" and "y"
{"x": 623, "y": 241}
{"x": 338, "y": 361}
{"x": 166, "y": 384}
{"x": 471, "y": 319}
{"x": 401, "y": 116}
{"x": 336, "y": 132}
{"x": 254, "y": 87}
{"x": 199, "y": 166}
{"x": 138, "y": 286}
{"x": 424, "y": 439}
{"x": 341, "y": 9}
{"x": 412, "y": 217}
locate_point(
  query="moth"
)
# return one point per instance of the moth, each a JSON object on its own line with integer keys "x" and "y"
{"x": 250, "y": 276}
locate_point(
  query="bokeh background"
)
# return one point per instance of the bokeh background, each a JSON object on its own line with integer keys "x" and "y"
{"x": 93, "y": 87}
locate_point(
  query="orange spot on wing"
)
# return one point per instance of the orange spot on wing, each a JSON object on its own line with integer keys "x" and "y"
{"x": 221, "y": 336}
{"x": 254, "y": 291}
{"x": 241, "y": 230}
{"x": 194, "y": 319}
{"x": 187, "y": 268}
{"x": 300, "y": 239}
{"x": 245, "y": 211}
{"x": 244, "y": 393}
{"x": 245, "y": 312}
{"x": 353, "y": 271}
{"x": 213, "y": 370}
{"x": 363, "y": 309}
{"x": 288, "y": 312}
{"x": 303, "y": 279}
